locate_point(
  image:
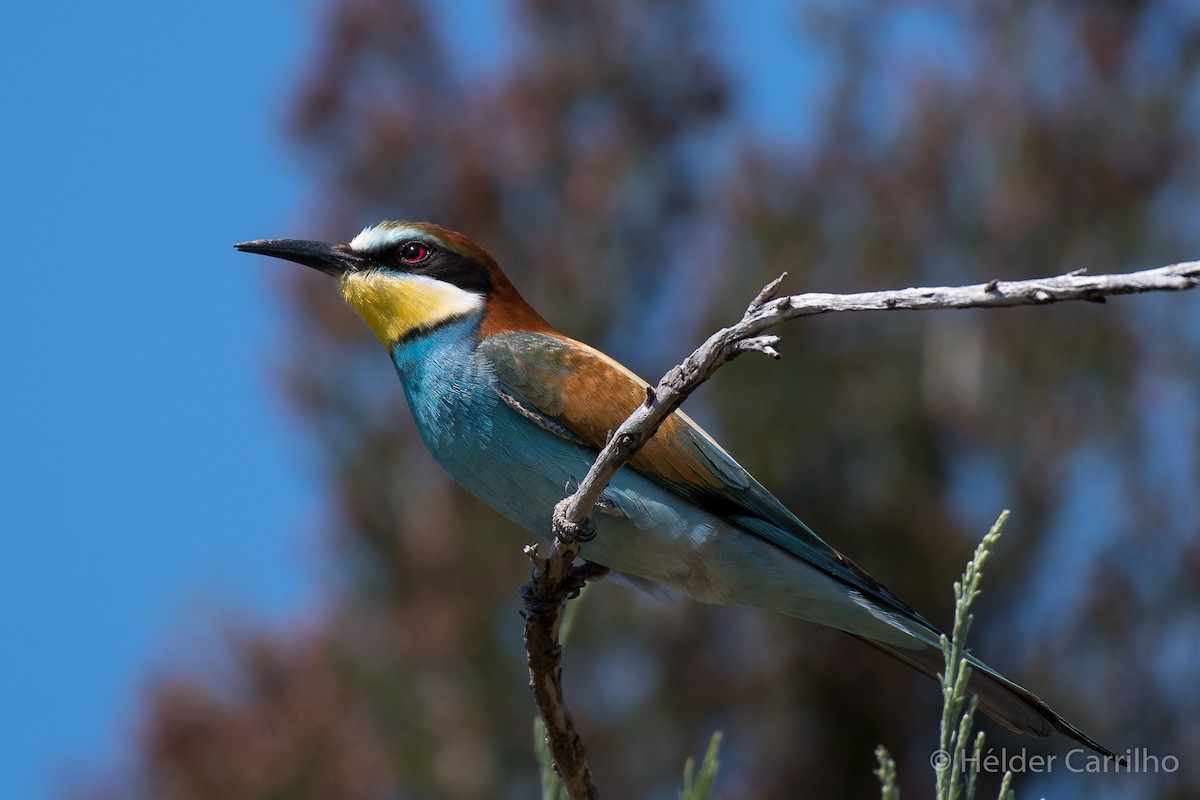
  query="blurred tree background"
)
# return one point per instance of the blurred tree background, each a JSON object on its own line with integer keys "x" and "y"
{"x": 611, "y": 168}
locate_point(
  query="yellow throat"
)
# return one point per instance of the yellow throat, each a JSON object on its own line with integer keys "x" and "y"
{"x": 395, "y": 305}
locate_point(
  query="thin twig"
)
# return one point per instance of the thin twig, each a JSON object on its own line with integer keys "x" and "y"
{"x": 555, "y": 578}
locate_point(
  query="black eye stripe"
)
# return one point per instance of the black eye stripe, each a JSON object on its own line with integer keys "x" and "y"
{"x": 456, "y": 270}
{"x": 417, "y": 257}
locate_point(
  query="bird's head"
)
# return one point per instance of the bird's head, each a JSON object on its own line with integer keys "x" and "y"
{"x": 404, "y": 278}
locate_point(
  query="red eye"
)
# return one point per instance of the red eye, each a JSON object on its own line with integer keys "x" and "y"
{"x": 412, "y": 252}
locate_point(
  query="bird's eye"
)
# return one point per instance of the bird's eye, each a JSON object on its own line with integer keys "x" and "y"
{"x": 412, "y": 252}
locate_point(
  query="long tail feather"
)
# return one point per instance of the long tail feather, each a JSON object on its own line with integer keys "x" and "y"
{"x": 1013, "y": 706}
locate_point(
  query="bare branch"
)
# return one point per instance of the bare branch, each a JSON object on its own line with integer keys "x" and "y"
{"x": 1074, "y": 285}
{"x": 557, "y": 578}
{"x": 554, "y": 581}
{"x": 765, "y": 312}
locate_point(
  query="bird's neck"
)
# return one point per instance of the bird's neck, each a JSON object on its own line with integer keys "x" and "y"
{"x": 439, "y": 350}
{"x": 442, "y": 379}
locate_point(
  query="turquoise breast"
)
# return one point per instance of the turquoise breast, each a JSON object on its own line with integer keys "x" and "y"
{"x": 646, "y": 532}
{"x": 521, "y": 469}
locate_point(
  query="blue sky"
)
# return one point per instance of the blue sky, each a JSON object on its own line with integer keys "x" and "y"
{"x": 151, "y": 483}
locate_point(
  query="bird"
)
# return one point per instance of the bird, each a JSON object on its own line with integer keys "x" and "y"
{"x": 516, "y": 412}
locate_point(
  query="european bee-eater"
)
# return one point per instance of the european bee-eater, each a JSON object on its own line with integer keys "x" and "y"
{"x": 516, "y": 412}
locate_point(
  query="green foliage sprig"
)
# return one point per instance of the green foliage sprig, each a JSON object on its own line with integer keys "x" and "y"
{"x": 954, "y": 782}
{"x": 699, "y": 786}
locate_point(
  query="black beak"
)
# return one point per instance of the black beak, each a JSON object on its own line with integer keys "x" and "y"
{"x": 332, "y": 259}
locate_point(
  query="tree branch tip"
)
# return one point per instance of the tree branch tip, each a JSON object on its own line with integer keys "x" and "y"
{"x": 992, "y": 286}
{"x": 766, "y": 294}
{"x": 761, "y": 344}
{"x": 651, "y": 396}
{"x": 1075, "y": 273}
